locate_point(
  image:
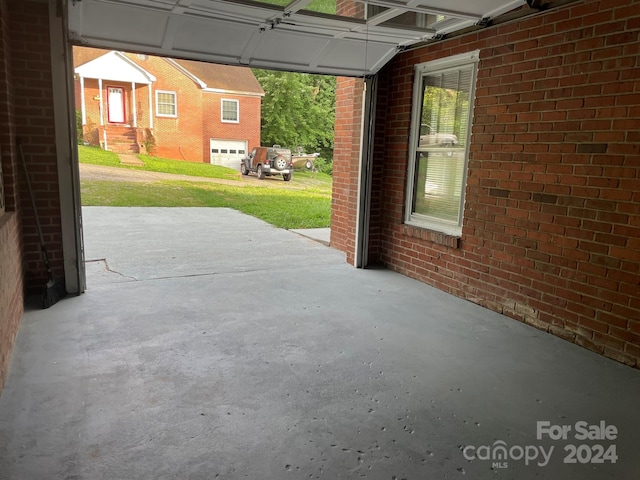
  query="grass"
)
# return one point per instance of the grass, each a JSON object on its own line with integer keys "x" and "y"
{"x": 284, "y": 208}
{"x": 97, "y": 156}
{"x": 304, "y": 202}
{"x": 165, "y": 165}
{"x": 322, "y": 6}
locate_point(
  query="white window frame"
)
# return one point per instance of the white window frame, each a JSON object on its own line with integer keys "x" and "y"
{"x": 237, "y": 102}
{"x": 422, "y": 70}
{"x": 175, "y": 103}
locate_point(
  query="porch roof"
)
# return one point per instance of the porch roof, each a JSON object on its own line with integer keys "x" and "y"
{"x": 115, "y": 66}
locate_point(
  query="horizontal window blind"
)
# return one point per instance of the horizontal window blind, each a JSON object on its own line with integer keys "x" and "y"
{"x": 440, "y": 154}
{"x": 230, "y": 110}
{"x": 166, "y": 103}
{"x": 445, "y": 106}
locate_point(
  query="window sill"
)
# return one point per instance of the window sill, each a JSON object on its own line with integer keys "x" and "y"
{"x": 440, "y": 238}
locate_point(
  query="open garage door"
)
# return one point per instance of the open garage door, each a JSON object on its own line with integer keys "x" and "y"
{"x": 228, "y": 153}
{"x": 299, "y": 36}
{"x": 357, "y": 38}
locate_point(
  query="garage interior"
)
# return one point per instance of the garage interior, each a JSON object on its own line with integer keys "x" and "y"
{"x": 464, "y": 376}
{"x": 225, "y": 363}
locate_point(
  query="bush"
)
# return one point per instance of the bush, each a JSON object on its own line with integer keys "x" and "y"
{"x": 323, "y": 165}
{"x": 79, "y": 132}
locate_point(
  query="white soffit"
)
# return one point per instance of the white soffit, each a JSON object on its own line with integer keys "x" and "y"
{"x": 260, "y": 35}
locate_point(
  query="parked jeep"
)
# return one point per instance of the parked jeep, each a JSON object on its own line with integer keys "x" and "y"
{"x": 267, "y": 161}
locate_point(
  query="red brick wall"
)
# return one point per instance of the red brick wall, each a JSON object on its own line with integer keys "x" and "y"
{"x": 34, "y": 125}
{"x": 11, "y": 271}
{"x": 551, "y": 231}
{"x": 248, "y": 129}
{"x": 346, "y": 160}
{"x": 92, "y": 106}
{"x": 11, "y": 288}
{"x": 181, "y": 137}
{"x": 10, "y": 170}
{"x": 346, "y": 150}
{"x": 25, "y": 111}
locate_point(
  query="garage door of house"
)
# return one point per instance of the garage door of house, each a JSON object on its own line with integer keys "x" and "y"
{"x": 228, "y": 153}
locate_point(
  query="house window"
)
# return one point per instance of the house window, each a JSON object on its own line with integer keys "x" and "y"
{"x": 166, "y": 104}
{"x": 230, "y": 111}
{"x": 440, "y": 132}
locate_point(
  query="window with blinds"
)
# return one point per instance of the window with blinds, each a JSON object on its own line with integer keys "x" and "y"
{"x": 166, "y": 104}
{"x": 230, "y": 111}
{"x": 441, "y": 126}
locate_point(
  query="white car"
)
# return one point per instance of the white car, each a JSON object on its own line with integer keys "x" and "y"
{"x": 430, "y": 137}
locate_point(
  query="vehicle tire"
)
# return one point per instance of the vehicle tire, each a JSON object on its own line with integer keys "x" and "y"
{"x": 286, "y": 176}
{"x": 260, "y": 172}
{"x": 243, "y": 169}
{"x": 280, "y": 163}
{"x": 309, "y": 165}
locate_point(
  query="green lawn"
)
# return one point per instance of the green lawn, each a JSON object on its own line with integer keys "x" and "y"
{"x": 284, "y": 208}
{"x": 322, "y": 6}
{"x": 304, "y": 202}
{"x": 97, "y": 156}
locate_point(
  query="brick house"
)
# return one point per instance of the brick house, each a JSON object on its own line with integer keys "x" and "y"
{"x": 543, "y": 216}
{"x": 180, "y": 109}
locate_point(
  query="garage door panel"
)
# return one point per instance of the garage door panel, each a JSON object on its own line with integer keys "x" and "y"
{"x": 287, "y": 47}
{"x": 135, "y": 25}
{"x": 341, "y": 54}
{"x": 267, "y": 36}
{"x": 198, "y": 35}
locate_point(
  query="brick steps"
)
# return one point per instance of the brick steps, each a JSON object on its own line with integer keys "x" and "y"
{"x": 122, "y": 140}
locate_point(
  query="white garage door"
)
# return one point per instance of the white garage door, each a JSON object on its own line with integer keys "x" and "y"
{"x": 264, "y": 35}
{"x": 228, "y": 153}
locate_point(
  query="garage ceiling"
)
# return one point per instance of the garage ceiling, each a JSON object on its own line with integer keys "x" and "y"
{"x": 294, "y": 36}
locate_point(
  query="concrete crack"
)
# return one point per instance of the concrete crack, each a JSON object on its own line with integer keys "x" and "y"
{"x": 108, "y": 268}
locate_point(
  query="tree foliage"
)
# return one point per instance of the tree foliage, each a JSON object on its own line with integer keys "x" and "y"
{"x": 298, "y": 110}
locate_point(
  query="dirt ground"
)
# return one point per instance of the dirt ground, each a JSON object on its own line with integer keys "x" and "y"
{"x": 115, "y": 174}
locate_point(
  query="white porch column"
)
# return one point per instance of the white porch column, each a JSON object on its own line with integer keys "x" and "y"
{"x": 101, "y": 106}
{"x": 83, "y": 108}
{"x": 133, "y": 99}
{"x": 150, "y": 107}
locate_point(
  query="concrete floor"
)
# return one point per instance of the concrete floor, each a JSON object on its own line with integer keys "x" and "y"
{"x": 210, "y": 345}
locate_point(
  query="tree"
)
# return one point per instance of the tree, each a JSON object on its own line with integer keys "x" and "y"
{"x": 298, "y": 110}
